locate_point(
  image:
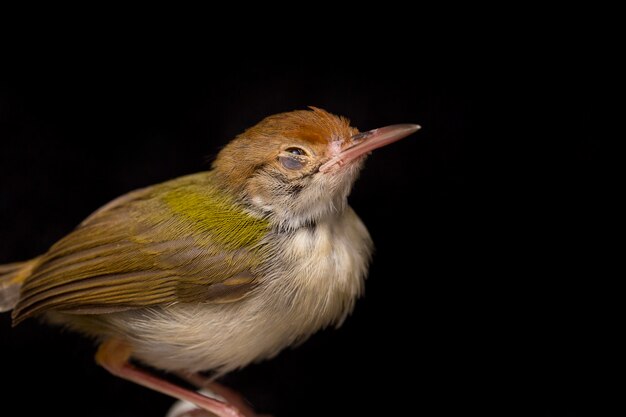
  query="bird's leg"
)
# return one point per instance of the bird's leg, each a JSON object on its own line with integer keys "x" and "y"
{"x": 114, "y": 356}
{"x": 229, "y": 395}
{"x": 192, "y": 413}
{"x": 195, "y": 378}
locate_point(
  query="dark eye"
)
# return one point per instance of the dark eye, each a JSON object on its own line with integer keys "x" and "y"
{"x": 295, "y": 151}
{"x": 290, "y": 162}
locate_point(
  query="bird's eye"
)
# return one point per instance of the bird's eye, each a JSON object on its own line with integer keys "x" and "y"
{"x": 292, "y": 158}
{"x": 290, "y": 162}
{"x": 296, "y": 151}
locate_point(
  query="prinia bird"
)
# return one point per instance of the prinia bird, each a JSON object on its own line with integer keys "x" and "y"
{"x": 215, "y": 270}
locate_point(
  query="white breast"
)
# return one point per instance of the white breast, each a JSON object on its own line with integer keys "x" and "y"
{"x": 320, "y": 275}
{"x": 328, "y": 267}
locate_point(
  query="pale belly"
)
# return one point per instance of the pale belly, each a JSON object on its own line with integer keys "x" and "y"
{"x": 211, "y": 336}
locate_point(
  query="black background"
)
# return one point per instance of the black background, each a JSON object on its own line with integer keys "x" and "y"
{"x": 480, "y": 297}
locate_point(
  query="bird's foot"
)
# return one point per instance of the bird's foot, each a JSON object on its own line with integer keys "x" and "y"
{"x": 212, "y": 389}
{"x": 187, "y": 409}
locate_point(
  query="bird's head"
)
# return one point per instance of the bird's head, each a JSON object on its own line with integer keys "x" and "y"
{"x": 298, "y": 167}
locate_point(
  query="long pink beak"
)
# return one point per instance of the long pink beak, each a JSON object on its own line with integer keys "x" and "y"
{"x": 365, "y": 142}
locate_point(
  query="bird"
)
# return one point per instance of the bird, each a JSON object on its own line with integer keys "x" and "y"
{"x": 218, "y": 269}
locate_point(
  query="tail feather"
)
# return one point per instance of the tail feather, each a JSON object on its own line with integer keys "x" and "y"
{"x": 11, "y": 278}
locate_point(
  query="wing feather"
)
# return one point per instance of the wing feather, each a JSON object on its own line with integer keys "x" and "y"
{"x": 136, "y": 252}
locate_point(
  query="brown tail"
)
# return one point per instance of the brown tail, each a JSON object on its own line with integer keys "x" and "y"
{"x": 11, "y": 278}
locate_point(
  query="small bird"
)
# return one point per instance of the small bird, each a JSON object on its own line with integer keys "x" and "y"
{"x": 215, "y": 270}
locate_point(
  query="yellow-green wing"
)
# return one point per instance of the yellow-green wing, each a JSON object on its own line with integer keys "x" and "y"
{"x": 180, "y": 241}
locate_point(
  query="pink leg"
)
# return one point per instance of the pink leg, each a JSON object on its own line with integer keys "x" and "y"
{"x": 231, "y": 396}
{"x": 114, "y": 354}
{"x": 196, "y": 413}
